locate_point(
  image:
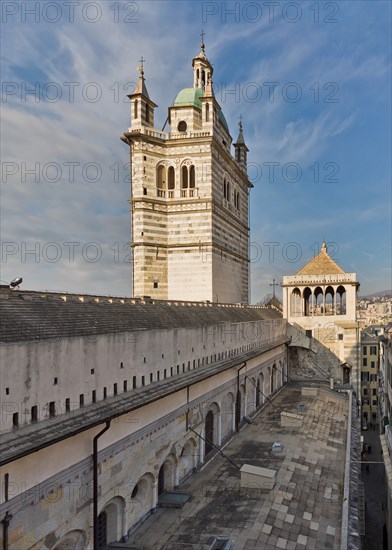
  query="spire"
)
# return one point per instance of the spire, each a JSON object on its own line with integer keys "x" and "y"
{"x": 324, "y": 247}
{"x": 240, "y": 147}
{"x": 240, "y": 139}
{"x": 141, "y": 86}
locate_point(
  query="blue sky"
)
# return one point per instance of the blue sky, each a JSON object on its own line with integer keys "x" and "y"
{"x": 311, "y": 80}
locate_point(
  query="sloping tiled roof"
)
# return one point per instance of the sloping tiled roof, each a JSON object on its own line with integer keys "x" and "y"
{"x": 322, "y": 264}
{"x": 39, "y": 316}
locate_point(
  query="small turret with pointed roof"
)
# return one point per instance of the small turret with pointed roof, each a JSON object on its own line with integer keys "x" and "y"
{"x": 240, "y": 148}
{"x": 142, "y": 108}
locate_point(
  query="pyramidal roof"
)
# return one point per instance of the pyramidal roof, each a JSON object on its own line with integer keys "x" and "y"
{"x": 322, "y": 264}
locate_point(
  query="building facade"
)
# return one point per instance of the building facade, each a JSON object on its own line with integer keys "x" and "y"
{"x": 370, "y": 368}
{"x": 189, "y": 200}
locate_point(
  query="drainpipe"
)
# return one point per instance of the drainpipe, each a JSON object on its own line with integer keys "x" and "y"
{"x": 238, "y": 400}
{"x": 6, "y": 521}
{"x": 95, "y": 482}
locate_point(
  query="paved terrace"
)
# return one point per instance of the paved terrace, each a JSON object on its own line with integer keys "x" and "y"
{"x": 304, "y": 509}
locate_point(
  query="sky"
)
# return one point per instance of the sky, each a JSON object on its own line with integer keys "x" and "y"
{"x": 312, "y": 81}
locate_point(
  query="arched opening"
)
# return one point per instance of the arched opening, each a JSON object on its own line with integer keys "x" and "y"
{"x": 171, "y": 178}
{"x": 341, "y": 300}
{"x": 329, "y": 301}
{"x": 142, "y": 499}
{"x": 161, "y": 480}
{"x": 228, "y": 191}
{"x": 307, "y": 301}
{"x": 224, "y": 189}
{"x": 102, "y": 521}
{"x": 346, "y": 374}
{"x": 203, "y": 78}
{"x": 74, "y": 540}
{"x": 184, "y": 177}
{"x": 207, "y": 112}
{"x": 147, "y": 113}
{"x": 192, "y": 177}
{"x": 187, "y": 460}
{"x": 161, "y": 177}
{"x": 318, "y": 301}
{"x": 182, "y": 126}
{"x": 258, "y": 394}
{"x": 273, "y": 379}
{"x": 209, "y": 432}
{"x": 135, "y": 108}
{"x": 228, "y": 415}
{"x": 296, "y": 302}
{"x": 251, "y": 404}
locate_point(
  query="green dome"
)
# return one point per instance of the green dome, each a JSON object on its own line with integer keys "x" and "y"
{"x": 189, "y": 97}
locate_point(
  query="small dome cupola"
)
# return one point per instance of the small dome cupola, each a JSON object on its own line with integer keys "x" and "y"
{"x": 202, "y": 68}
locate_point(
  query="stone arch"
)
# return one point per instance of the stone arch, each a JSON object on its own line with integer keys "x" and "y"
{"x": 212, "y": 428}
{"x": 296, "y": 302}
{"x": 341, "y": 300}
{"x": 187, "y": 459}
{"x": 171, "y": 178}
{"x": 273, "y": 379}
{"x": 260, "y": 390}
{"x": 168, "y": 474}
{"x": 251, "y": 403}
{"x": 111, "y": 520}
{"x": 74, "y": 540}
{"x": 228, "y": 414}
{"x": 307, "y": 300}
{"x": 161, "y": 176}
{"x": 329, "y": 301}
{"x": 282, "y": 379}
{"x": 318, "y": 300}
{"x": 141, "y": 500}
{"x": 192, "y": 177}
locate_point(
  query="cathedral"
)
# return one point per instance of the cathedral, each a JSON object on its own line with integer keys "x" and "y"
{"x": 115, "y": 408}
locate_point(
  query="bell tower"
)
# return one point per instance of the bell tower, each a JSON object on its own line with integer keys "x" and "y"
{"x": 189, "y": 197}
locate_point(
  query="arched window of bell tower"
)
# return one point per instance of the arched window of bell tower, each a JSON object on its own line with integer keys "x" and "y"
{"x": 184, "y": 177}
{"x": 340, "y": 300}
{"x": 135, "y": 108}
{"x": 318, "y": 301}
{"x": 329, "y": 301}
{"x": 192, "y": 180}
{"x": 171, "y": 180}
{"x": 296, "y": 302}
{"x": 203, "y": 79}
{"x": 307, "y": 301}
{"x": 161, "y": 180}
{"x": 207, "y": 112}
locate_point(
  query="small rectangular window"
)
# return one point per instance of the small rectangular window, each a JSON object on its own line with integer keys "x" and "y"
{"x": 144, "y": 190}
{"x": 125, "y": 385}
{"x": 52, "y": 409}
{"x": 134, "y": 382}
{"x": 364, "y": 350}
{"x": 121, "y": 365}
{"x": 34, "y": 414}
{"x": 155, "y": 284}
{"x": 372, "y": 364}
{"x": 178, "y": 369}
{"x": 340, "y": 336}
{"x": 105, "y": 392}
{"x": 364, "y": 362}
{"x": 92, "y": 371}
{"x": 67, "y": 404}
{"x": 143, "y": 380}
{"x": 81, "y": 400}
{"x": 158, "y": 375}
{"x": 55, "y": 381}
{"x": 114, "y": 389}
{"x": 164, "y": 373}
{"x": 93, "y": 396}
{"x": 374, "y": 391}
{"x": 7, "y": 391}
